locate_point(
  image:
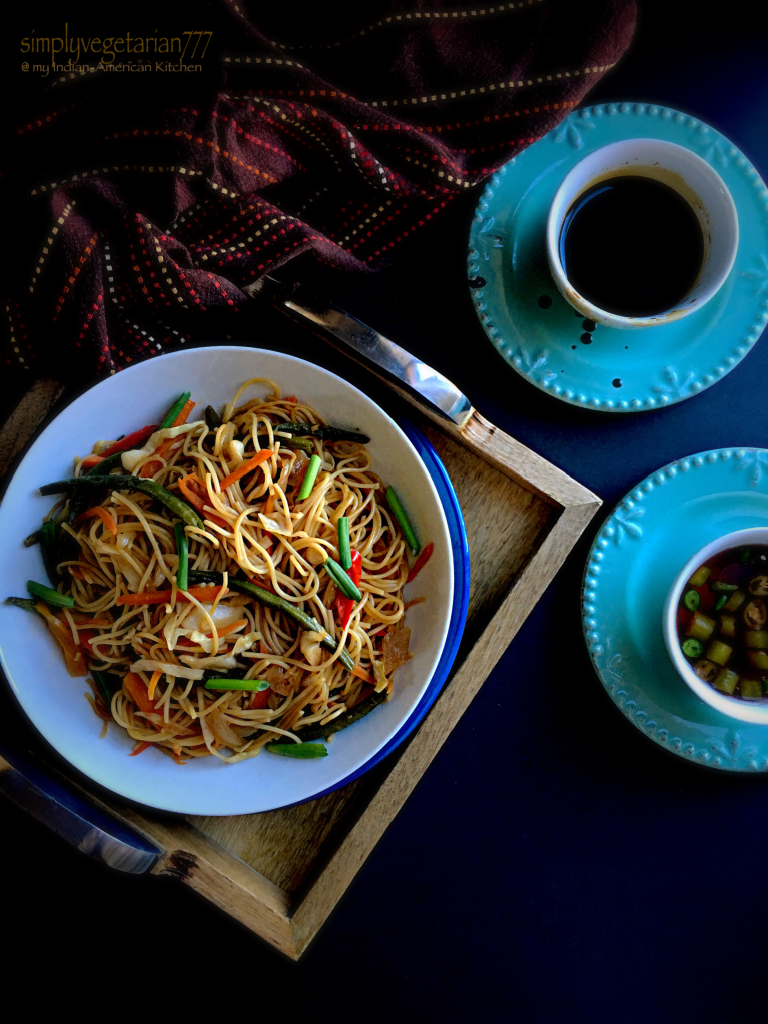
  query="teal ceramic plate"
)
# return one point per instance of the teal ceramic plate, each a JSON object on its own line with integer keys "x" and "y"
{"x": 640, "y": 549}
{"x": 540, "y": 335}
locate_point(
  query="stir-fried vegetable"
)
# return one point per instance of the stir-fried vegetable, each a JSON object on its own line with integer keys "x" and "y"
{"x": 341, "y": 579}
{"x": 302, "y": 750}
{"x": 174, "y": 411}
{"x": 266, "y": 597}
{"x": 309, "y": 478}
{"x": 341, "y": 602}
{"x": 237, "y": 684}
{"x": 134, "y": 440}
{"x": 345, "y": 556}
{"x": 354, "y": 714}
{"x": 182, "y": 550}
{"x": 323, "y": 432}
{"x": 49, "y": 533}
{"x": 700, "y": 577}
{"x": 405, "y": 524}
{"x": 49, "y": 595}
{"x": 246, "y": 467}
{"x": 212, "y": 418}
{"x": 85, "y": 485}
{"x": 420, "y": 562}
{"x": 726, "y": 680}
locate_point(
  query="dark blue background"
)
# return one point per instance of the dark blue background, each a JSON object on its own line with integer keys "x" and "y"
{"x": 553, "y": 864}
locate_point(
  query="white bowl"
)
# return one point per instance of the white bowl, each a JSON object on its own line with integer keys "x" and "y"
{"x": 55, "y": 702}
{"x": 746, "y": 711}
{"x": 689, "y": 175}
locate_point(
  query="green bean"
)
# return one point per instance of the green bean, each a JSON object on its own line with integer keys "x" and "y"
{"x": 405, "y": 525}
{"x": 354, "y": 714}
{"x": 309, "y": 478}
{"x": 106, "y": 465}
{"x": 182, "y": 550}
{"x": 322, "y": 432}
{"x": 219, "y": 683}
{"x": 342, "y": 581}
{"x": 84, "y": 485}
{"x": 266, "y": 597}
{"x": 100, "y": 678}
{"x": 302, "y": 750}
{"x": 175, "y": 409}
{"x": 49, "y": 549}
{"x": 50, "y": 596}
{"x": 22, "y": 602}
{"x": 345, "y": 556}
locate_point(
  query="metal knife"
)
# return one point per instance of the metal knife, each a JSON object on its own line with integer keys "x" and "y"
{"x": 383, "y": 357}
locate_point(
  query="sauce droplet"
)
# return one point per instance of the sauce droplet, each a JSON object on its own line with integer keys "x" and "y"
{"x": 616, "y": 382}
{"x": 545, "y": 301}
{"x": 586, "y": 338}
{"x": 589, "y": 325}
{"x": 477, "y": 282}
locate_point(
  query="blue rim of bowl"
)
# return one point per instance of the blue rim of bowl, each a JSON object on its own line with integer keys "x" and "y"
{"x": 460, "y": 546}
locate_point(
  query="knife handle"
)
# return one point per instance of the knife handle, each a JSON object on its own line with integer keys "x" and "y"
{"x": 35, "y": 788}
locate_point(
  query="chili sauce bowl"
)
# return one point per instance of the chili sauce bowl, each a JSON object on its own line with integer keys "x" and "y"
{"x": 755, "y": 712}
{"x": 689, "y": 175}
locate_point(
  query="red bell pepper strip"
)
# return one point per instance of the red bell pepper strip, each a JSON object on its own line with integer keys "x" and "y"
{"x": 420, "y": 562}
{"x": 342, "y": 604}
{"x": 134, "y": 440}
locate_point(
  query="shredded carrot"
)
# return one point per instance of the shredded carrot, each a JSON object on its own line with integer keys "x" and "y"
{"x": 246, "y": 467}
{"x": 362, "y": 674}
{"x": 141, "y": 748}
{"x": 103, "y": 515}
{"x": 193, "y": 490}
{"x": 138, "y": 691}
{"x": 164, "y": 596}
{"x": 420, "y": 562}
{"x": 290, "y": 398}
{"x": 73, "y": 653}
{"x": 92, "y": 622}
{"x": 153, "y": 683}
{"x": 269, "y": 508}
{"x": 90, "y": 461}
{"x": 184, "y": 414}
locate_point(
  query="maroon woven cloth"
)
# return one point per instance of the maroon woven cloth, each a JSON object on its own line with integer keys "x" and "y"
{"x": 142, "y": 205}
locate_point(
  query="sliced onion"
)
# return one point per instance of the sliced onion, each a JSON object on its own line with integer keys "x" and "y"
{"x": 219, "y": 661}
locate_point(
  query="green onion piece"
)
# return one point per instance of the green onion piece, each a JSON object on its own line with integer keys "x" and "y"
{"x": 342, "y": 581}
{"x": 182, "y": 550}
{"x": 303, "y": 750}
{"x": 22, "y": 602}
{"x": 745, "y": 555}
{"x": 399, "y": 512}
{"x": 237, "y": 684}
{"x": 175, "y": 409}
{"x": 692, "y": 648}
{"x": 50, "y": 596}
{"x": 692, "y": 600}
{"x": 723, "y": 586}
{"x": 309, "y": 478}
{"x": 721, "y": 602}
{"x": 345, "y": 555}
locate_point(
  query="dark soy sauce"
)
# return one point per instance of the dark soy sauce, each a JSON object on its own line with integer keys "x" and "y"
{"x": 632, "y": 246}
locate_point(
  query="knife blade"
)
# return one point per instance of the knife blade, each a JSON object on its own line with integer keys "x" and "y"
{"x": 377, "y": 353}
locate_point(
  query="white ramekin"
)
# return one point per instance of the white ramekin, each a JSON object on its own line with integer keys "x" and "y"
{"x": 746, "y": 711}
{"x": 689, "y": 175}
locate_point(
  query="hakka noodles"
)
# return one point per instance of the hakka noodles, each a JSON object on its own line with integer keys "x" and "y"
{"x": 230, "y": 583}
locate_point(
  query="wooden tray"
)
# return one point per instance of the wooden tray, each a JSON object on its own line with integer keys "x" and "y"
{"x": 281, "y": 873}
